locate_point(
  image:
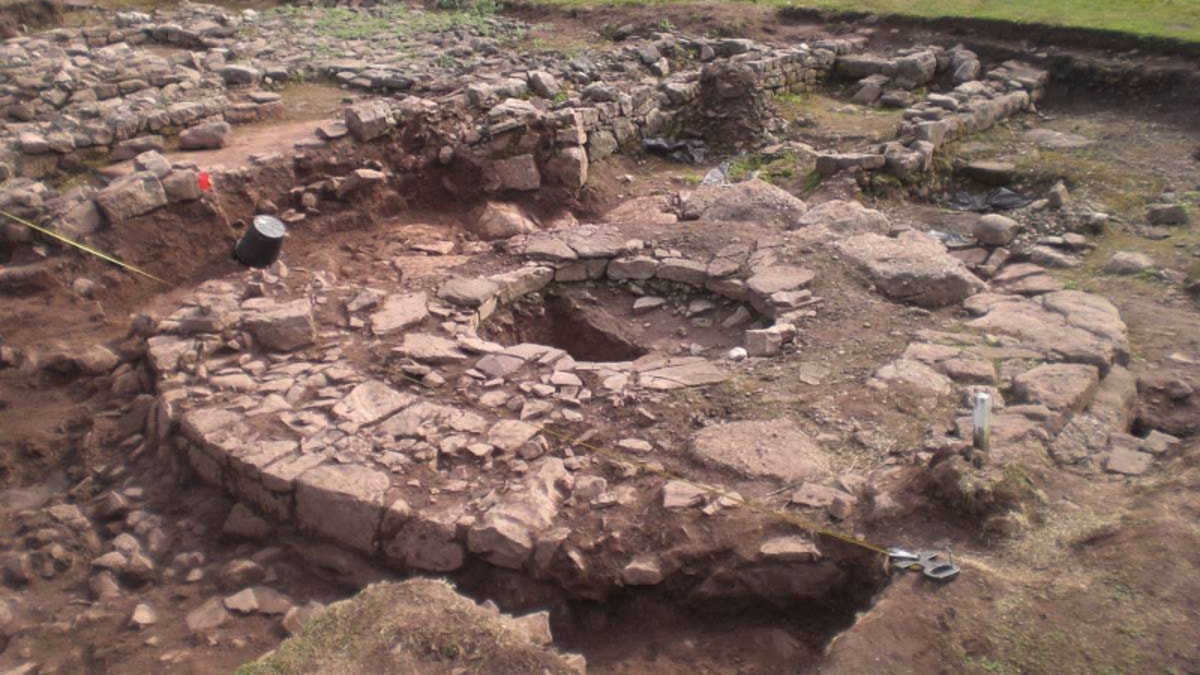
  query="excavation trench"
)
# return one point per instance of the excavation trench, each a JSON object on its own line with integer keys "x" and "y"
{"x": 717, "y": 596}
{"x": 599, "y": 321}
{"x": 561, "y": 322}
{"x": 778, "y": 616}
{"x": 719, "y": 607}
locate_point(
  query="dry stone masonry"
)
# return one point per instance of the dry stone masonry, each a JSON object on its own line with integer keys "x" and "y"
{"x": 432, "y": 450}
{"x": 400, "y": 419}
{"x": 76, "y": 96}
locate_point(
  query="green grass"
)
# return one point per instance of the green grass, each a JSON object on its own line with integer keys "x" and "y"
{"x": 1174, "y": 19}
{"x": 772, "y": 169}
{"x": 829, "y": 115}
{"x": 387, "y": 20}
{"x": 1121, "y": 188}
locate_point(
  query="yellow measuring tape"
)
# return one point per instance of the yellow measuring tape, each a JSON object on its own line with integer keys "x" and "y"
{"x": 761, "y": 509}
{"x": 82, "y": 247}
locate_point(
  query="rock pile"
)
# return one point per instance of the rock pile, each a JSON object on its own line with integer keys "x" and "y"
{"x": 78, "y": 95}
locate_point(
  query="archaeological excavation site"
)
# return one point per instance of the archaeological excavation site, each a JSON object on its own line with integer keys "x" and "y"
{"x": 558, "y": 337}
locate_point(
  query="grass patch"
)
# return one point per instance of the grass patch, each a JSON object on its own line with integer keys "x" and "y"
{"x": 1090, "y": 275}
{"x": 1172, "y": 19}
{"x": 834, "y": 117}
{"x": 545, "y": 40}
{"x": 812, "y": 181}
{"x": 775, "y": 169}
{"x": 393, "y": 20}
{"x": 1121, "y": 188}
{"x": 1117, "y": 173}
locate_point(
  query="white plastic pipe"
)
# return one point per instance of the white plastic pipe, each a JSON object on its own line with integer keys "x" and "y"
{"x": 982, "y": 421}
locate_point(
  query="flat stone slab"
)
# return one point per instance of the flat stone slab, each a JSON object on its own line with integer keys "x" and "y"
{"x": 679, "y": 377}
{"x": 779, "y": 278}
{"x": 1072, "y": 326}
{"x": 418, "y": 419}
{"x": 1128, "y": 462}
{"x": 430, "y": 349}
{"x": 1058, "y": 386}
{"x": 371, "y": 401}
{"x": 399, "y": 312}
{"x": 789, "y": 549}
{"x": 912, "y": 268}
{"x": 547, "y": 246}
{"x": 991, "y": 172}
{"x": 1058, "y": 140}
{"x": 510, "y": 435}
{"x": 1026, "y": 279}
{"x": 916, "y": 375}
{"x": 468, "y": 292}
{"x": 638, "y": 268}
{"x": 591, "y": 241}
{"x": 776, "y": 449}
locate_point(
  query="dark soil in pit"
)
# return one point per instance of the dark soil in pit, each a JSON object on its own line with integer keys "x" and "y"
{"x": 600, "y": 323}
{"x": 643, "y": 634}
{"x": 764, "y": 618}
{"x": 660, "y": 633}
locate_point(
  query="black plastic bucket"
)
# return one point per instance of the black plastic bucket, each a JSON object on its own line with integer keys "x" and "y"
{"x": 262, "y": 242}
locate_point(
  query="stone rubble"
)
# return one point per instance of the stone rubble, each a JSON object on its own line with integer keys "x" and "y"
{"x": 428, "y": 451}
{"x": 598, "y": 104}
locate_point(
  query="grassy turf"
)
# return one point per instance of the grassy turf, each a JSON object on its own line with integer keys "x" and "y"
{"x": 418, "y": 626}
{"x": 1174, "y": 19}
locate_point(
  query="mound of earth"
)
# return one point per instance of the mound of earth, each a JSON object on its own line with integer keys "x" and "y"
{"x": 418, "y": 626}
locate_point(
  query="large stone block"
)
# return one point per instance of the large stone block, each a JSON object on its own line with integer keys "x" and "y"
{"x": 428, "y": 542}
{"x": 134, "y": 195}
{"x": 342, "y": 502}
{"x": 497, "y": 220}
{"x": 516, "y": 173}
{"x": 569, "y": 166}
{"x": 281, "y": 326}
{"x": 520, "y": 282}
{"x": 913, "y": 268}
{"x": 204, "y": 136}
{"x": 370, "y": 120}
{"x": 181, "y": 186}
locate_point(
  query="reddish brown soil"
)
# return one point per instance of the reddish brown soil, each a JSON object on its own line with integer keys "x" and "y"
{"x": 1108, "y": 581}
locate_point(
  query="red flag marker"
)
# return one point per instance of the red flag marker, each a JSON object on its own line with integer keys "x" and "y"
{"x": 203, "y": 182}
